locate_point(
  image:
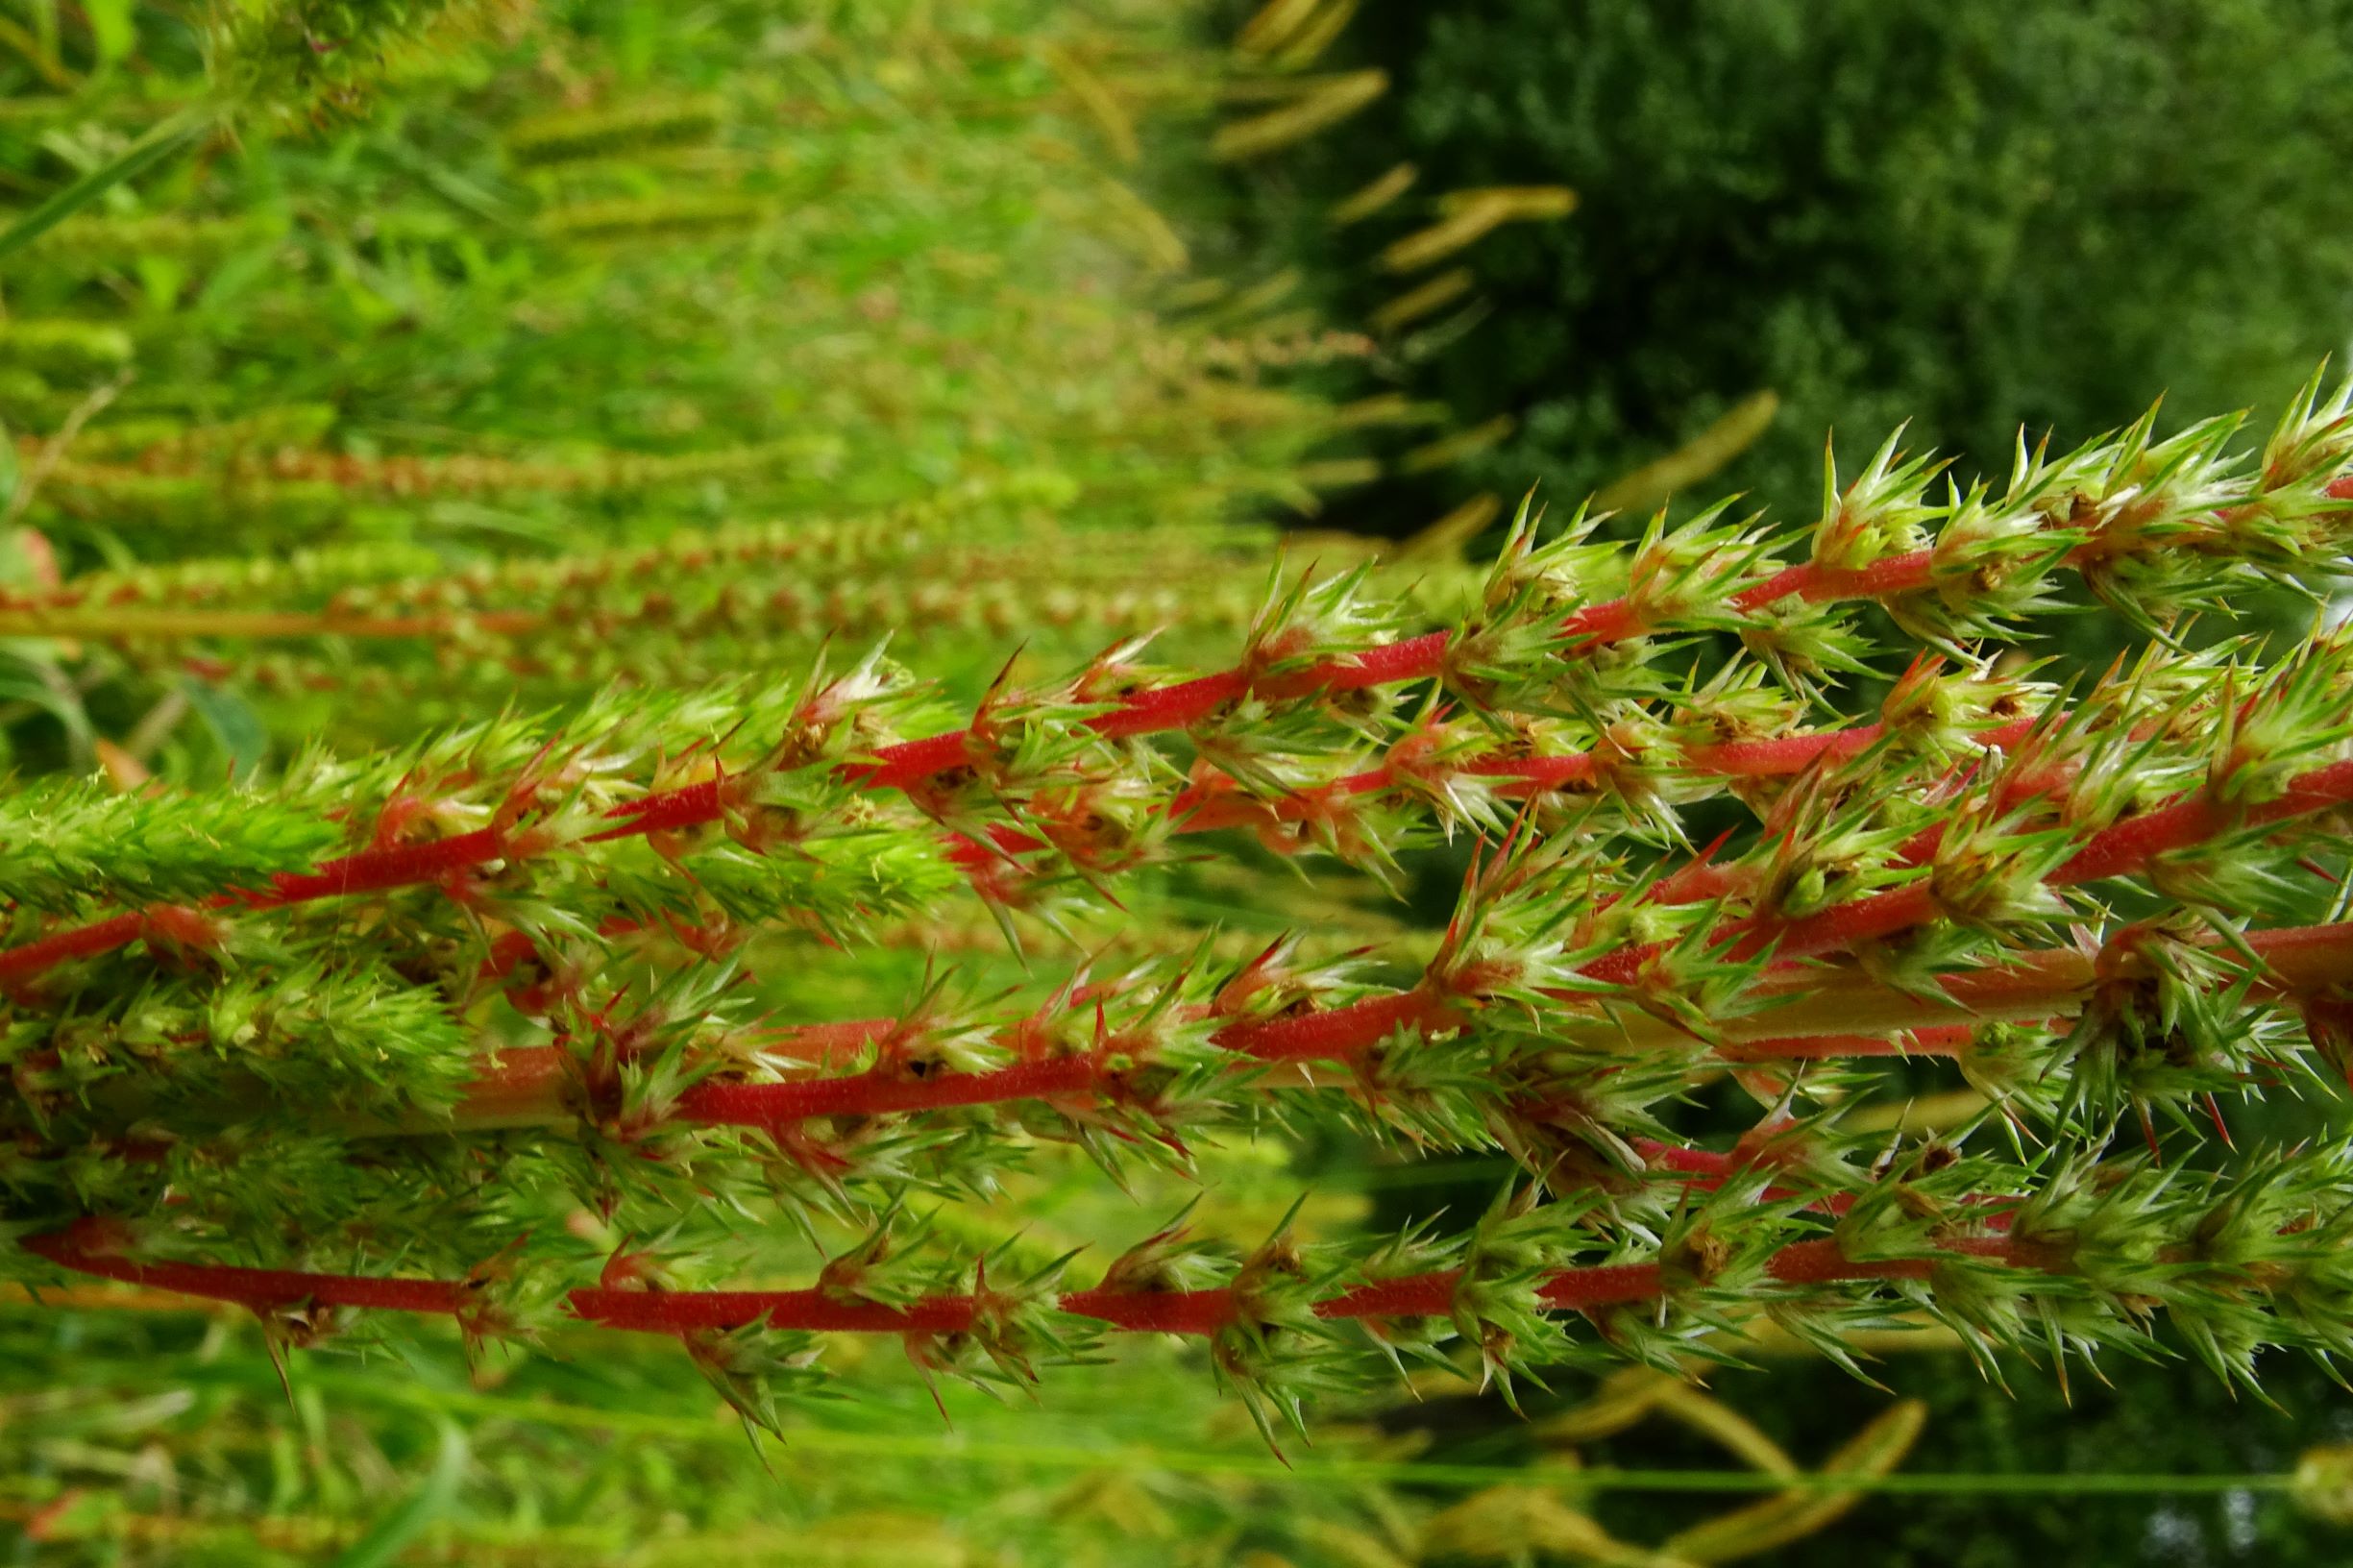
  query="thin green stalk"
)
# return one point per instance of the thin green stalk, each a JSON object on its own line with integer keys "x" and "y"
{"x": 952, "y": 1447}
{"x": 166, "y": 141}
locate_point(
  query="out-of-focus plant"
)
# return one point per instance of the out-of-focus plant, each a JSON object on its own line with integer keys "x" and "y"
{"x": 1970, "y": 218}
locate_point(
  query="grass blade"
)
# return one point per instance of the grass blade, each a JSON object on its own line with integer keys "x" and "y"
{"x": 391, "y": 1535}
{"x": 164, "y": 141}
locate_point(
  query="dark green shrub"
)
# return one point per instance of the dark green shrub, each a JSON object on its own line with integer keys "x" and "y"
{"x": 1975, "y": 215}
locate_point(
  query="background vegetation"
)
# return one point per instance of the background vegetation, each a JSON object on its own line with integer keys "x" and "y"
{"x": 1973, "y": 217}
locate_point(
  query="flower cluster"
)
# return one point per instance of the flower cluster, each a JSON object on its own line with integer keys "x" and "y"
{"x": 483, "y": 1025}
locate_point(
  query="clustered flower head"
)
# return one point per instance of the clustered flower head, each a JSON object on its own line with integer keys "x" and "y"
{"x": 473, "y": 1027}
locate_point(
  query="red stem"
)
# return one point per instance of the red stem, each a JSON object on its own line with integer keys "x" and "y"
{"x": 527, "y": 1084}
{"x": 884, "y": 1093}
{"x": 260, "y": 1289}
{"x": 524, "y": 1085}
{"x": 1820, "y": 584}
{"x": 820, "y": 1311}
{"x": 910, "y": 763}
{"x": 1205, "y": 807}
{"x": 2120, "y": 850}
{"x": 64, "y": 947}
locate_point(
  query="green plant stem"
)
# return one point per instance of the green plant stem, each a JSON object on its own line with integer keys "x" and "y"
{"x": 165, "y": 140}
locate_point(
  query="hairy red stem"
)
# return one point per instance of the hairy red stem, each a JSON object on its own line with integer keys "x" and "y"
{"x": 262, "y": 1290}
{"x": 910, "y": 763}
{"x": 2120, "y": 850}
{"x": 2117, "y": 851}
{"x": 525, "y": 1086}
{"x": 822, "y": 1311}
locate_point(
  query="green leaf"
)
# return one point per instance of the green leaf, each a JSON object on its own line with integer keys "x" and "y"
{"x": 167, "y": 141}
{"x": 112, "y": 28}
{"x": 29, "y": 674}
{"x": 231, "y": 721}
{"x": 415, "y": 1514}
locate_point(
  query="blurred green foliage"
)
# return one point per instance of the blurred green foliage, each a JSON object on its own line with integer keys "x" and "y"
{"x": 1971, "y": 216}
{"x": 536, "y": 281}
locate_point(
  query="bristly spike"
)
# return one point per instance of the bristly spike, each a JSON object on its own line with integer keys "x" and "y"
{"x": 532, "y": 988}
